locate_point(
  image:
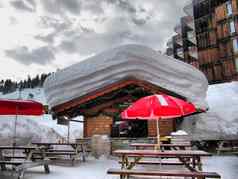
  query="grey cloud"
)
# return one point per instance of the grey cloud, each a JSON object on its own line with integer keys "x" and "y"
{"x": 41, "y": 56}
{"x": 32, "y": 2}
{"x": 128, "y": 22}
{"x": 21, "y": 5}
{"x": 93, "y": 6}
{"x": 60, "y": 6}
{"x": 124, "y": 5}
{"x": 46, "y": 38}
{"x": 58, "y": 26}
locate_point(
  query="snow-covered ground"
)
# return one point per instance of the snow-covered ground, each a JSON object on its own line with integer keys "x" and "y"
{"x": 226, "y": 166}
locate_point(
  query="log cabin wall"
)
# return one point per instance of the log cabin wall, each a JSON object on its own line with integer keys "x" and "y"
{"x": 99, "y": 125}
{"x": 101, "y": 115}
{"x": 165, "y": 127}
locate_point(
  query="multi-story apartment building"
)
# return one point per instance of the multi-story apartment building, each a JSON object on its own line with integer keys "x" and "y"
{"x": 183, "y": 45}
{"x": 216, "y": 29}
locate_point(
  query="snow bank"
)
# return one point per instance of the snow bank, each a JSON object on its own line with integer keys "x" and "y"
{"x": 135, "y": 61}
{"x": 36, "y": 94}
{"x": 30, "y": 128}
{"x": 179, "y": 132}
{"x": 221, "y": 121}
{"x": 35, "y": 127}
{"x": 27, "y": 130}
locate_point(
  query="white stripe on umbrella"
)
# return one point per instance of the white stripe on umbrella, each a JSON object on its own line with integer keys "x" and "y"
{"x": 162, "y": 100}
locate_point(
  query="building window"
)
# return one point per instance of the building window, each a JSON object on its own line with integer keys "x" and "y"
{"x": 236, "y": 63}
{"x": 229, "y": 8}
{"x": 235, "y": 45}
{"x": 232, "y": 27}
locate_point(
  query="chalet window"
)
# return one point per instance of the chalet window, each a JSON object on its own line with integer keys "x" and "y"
{"x": 235, "y": 45}
{"x": 232, "y": 27}
{"x": 229, "y": 8}
{"x": 236, "y": 63}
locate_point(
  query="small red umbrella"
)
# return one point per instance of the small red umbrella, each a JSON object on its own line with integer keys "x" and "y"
{"x": 20, "y": 107}
{"x": 158, "y": 107}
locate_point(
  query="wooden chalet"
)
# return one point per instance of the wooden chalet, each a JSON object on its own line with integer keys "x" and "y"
{"x": 100, "y": 87}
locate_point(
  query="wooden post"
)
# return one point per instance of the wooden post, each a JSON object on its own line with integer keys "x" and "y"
{"x": 68, "y": 137}
{"x": 157, "y": 147}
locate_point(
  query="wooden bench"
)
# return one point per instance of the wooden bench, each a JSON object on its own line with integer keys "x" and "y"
{"x": 33, "y": 158}
{"x": 146, "y": 162}
{"x": 60, "y": 155}
{"x": 133, "y": 156}
{"x": 168, "y": 173}
{"x": 59, "y": 150}
{"x": 78, "y": 150}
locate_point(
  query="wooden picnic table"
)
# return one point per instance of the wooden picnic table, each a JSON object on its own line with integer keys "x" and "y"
{"x": 27, "y": 160}
{"x": 182, "y": 155}
{"x": 79, "y": 149}
{"x": 163, "y": 146}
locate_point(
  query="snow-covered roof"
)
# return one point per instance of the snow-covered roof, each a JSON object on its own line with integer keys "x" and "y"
{"x": 116, "y": 64}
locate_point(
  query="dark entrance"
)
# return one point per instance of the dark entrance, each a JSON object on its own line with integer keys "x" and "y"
{"x": 136, "y": 128}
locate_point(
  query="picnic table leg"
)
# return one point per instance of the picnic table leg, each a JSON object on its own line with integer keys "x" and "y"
{"x": 194, "y": 162}
{"x": 3, "y": 166}
{"x": 123, "y": 162}
{"x": 47, "y": 168}
{"x": 199, "y": 163}
{"x": 44, "y": 157}
{"x": 132, "y": 164}
{"x": 21, "y": 174}
{"x": 83, "y": 152}
{"x": 124, "y": 165}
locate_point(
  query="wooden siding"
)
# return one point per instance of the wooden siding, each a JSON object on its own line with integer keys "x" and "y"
{"x": 101, "y": 125}
{"x": 165, "y": 126}
{"x": 208, "y": 56}
{"x": 220, "y": 12}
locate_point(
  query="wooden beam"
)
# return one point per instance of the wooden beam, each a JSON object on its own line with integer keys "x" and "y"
{"x": 98, "y": 108}
{"x": 65, "y": 107}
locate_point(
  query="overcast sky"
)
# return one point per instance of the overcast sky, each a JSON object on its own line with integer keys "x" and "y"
{"x": 39, "y": 36}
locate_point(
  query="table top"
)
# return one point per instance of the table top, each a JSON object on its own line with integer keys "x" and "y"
{"x": 55, "y": 143}
{"x": 18, "y": 147}
{"x": 162, "y": 145}
{"x": 175, "y": 153}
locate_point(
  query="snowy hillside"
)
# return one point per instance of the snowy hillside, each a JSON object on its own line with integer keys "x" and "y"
{"x": 36, "y": 94}
{"x": 34, "y": 127}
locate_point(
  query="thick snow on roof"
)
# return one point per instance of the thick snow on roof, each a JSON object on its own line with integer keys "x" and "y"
{"x": 116, "y": 64}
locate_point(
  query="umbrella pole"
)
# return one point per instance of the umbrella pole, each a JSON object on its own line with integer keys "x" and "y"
{"x": 15, "y": 135}
{"x": 68, "y": 137}
{"x": 158, "y": 136}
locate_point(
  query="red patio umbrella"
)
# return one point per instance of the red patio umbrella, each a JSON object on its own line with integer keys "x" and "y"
{"x": 20, "y": 107}
{"x": 158, "y": 107}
